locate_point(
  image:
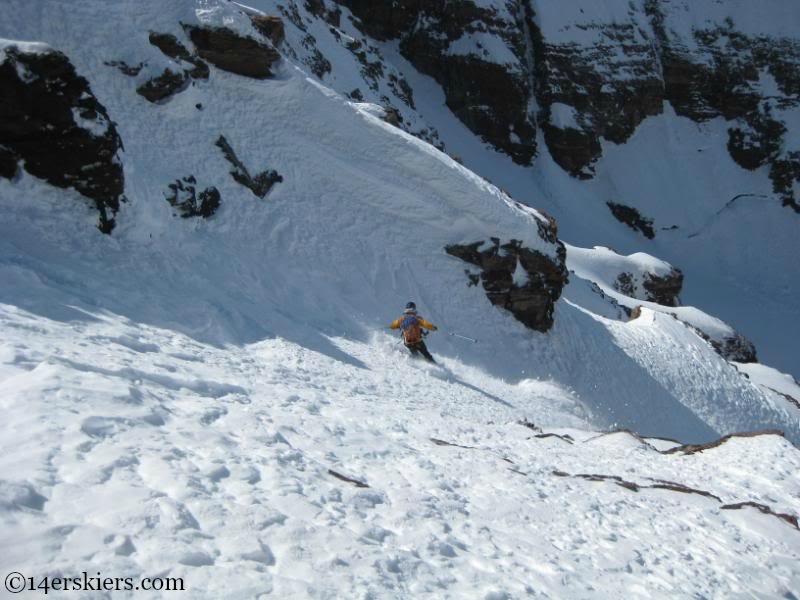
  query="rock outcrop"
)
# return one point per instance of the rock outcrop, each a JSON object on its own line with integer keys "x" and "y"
{"x": 125, "y": 68}
{"x": 229, "y": 51}
{"x": 184, "y": 68}
{"x": 52, "y": 122}
{"x": 663, "y": 289}
{"x": 593, "y": 79}
{"x": 260, "y": 184}
{"x": 731, "y": 346}
{"x": 659, "y": 288}
{"x": 184, "y": 197}
{"x": 525, "y": 282}
{"x": 632, "y": 218}
{"x": 172, "y": 48}
{"x": 749, "y": 80}
{"x": 510, "y": 67}
{"x": 269, "y": 26}
{"x": 164, "y": 86}
{"x": 489, "y": 92}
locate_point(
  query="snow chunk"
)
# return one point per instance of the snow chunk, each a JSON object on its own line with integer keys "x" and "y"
{"x": 97, "y": 126}
{"x": 771, "y": 378}
{"x": 24, "y": 47}
{"x": 368, "y": 108}
{"x": 520, "y": 276}
{"x": 604, "y": 265}
{"x": 487, "y": 46}
{"x": 564, "y": 116}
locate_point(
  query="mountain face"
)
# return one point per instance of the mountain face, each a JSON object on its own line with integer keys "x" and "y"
{"x": 50, "y": 119}
{"x": 676, "y": 119}
{"x": 584, "y": 71}
{"x": 514, "y": 74}
{"x": 211, "y": 212}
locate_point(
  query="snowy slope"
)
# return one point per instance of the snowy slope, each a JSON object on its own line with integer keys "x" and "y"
{"x": 166, "y": 455}
{"x": 738, "y": 257}
{"x": 175, "y": 393}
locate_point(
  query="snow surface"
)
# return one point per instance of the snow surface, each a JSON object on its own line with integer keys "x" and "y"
{"x": 564, "y": 116}
{"x": 739, "y": 259}
{"x": 134, "y": 450}
{"x": 175, "y": 394}
{"x": 603, "y": 264}
{"x": 778, "y": 18}
{"x": 24, "y": 47}
{"x": 485, "y": 45}
{"x": 582, "y": 21}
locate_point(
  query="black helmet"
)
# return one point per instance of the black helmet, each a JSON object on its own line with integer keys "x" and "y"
{"x": 410, "y": 307}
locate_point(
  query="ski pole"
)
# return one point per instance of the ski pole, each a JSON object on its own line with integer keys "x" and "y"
{"x": 463, "y": 337}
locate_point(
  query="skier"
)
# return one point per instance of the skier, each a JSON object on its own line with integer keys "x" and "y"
{"x": 411, "y": 326}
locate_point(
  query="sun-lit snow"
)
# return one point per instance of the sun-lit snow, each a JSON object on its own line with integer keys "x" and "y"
{"x": 184, "y": 396}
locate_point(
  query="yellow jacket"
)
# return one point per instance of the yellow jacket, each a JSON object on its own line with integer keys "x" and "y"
{"x": 422, "y": 323}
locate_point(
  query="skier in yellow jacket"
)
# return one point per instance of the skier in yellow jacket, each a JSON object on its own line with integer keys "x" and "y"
{"x": 411, "y": 326}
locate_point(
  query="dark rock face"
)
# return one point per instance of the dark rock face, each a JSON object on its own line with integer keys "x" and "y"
{"x": 784, "y": 173}
{"x": 50, "y": 119}
{"x": 269, "y": 26}
{"x": 625, "y": 284}
{"x": 574, "y": 150}
{"x": 171, "y": 47}
{"x": 531, "y": 302}
{"x": 623, "y": 72}
{"x": 392, "y": 116}
{"x": 231, "y": 52}
{"x": 752, "y": 147}
{"x": 164, "y": 86}
{"x": 611, "y": 84}
{"x": 8, "y": 163}
{"x": 491, "y": 99}
{"x": 591, "y": 75}
{"x": 125, "y": 68}
{"x": 261, "y": 184}
{"x": 664, "y": 290}
{"x": 317, "y": 62}
{"x": 633, "y": 219}
{"x": 183, "y": 196}
{"x": 722, "y": 78}
{"x": 735, "y": 347}
{"x": 172, "y": 80}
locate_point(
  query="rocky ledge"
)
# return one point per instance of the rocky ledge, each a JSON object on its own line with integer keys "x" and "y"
{"x": 524, "y": 281}
{"x": 51, "y": 122}
{"x": 489, "y": 92}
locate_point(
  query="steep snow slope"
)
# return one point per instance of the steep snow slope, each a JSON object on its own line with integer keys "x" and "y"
{"x": 358, "y": 226}
{"x": 722, "y": 224}
{"x": 137, "y": 451}
{"x": 177, "y": 391}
